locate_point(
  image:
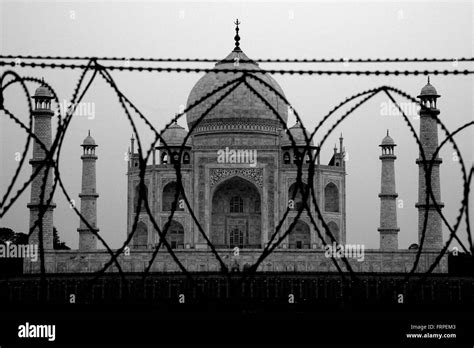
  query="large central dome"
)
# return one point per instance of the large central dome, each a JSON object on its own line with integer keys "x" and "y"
{"x": 241, "y": 110}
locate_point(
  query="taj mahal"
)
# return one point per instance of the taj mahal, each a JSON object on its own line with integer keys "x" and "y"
{"x": 238, "y": 163}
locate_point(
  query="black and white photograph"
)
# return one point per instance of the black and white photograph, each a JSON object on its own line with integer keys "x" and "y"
{"x": 236, "y": 172}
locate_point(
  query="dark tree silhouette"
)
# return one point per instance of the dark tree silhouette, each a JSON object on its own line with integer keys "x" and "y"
{"x": 8, "y": 235}
{"x": 57, "y": 244}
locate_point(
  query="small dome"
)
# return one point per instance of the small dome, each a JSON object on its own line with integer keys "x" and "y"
{"x": 388, "y": 141}
{"x": 297, "y": 132}
{"x": 174, "y": 135}
{"x": 89, "y": 141}
{"x": 428, "y": 90}
{"x": 43, "y": 92}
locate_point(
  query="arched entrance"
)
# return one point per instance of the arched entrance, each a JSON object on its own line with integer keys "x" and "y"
{"x": 300, "y": 236}
{"x": 175, "y": 235}
{"x": 168, "y": 197}
{"x": 236, "y": 215}
{"x": 331, "y": 198}
{"x": 140, "y": 237}
{"x": 296, "y": 193}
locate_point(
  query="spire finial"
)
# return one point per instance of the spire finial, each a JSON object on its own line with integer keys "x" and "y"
{"x": 132, "y": 143}
{"x": 89, "y": 132}
{"x": 237, "y": 37}
{"x": 387, "y": 132}
{"x": 428, "y": 79}
{"x": 42, "y": 81}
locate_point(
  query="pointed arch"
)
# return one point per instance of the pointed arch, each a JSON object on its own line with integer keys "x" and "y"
{"x": 175, "y": 157}
{"x": 331, "y": 198}
{"x": 136, "y": 197}
{"x": 168, "y": 197}
{"x": 300, "y": 236}
{"x": 296, "y": 193}
{"x": 140, "y": 237}
{"x": 175, "y": 235}
{"x": 186, "y": 158}
{"x": 236, "y": 217}
{"x": 164, "y": 157}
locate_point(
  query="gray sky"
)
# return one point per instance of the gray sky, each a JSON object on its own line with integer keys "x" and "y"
{"x": 268, "y": 30}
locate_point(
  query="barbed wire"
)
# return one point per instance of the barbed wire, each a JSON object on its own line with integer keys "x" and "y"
{"x": 240, "y": 78}
{"x": 267, "y": 60}
{"x": 234, "y": 71}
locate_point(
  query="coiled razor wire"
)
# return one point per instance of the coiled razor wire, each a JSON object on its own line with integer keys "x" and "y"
{"x": 239, "y": 78}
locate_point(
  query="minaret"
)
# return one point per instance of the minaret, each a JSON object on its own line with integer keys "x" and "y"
{"x": 134, "y": 158}
{"x": 42, "y": 115}
{"x": 341, "y": 151}
{"x": 338, "y": 156}
{"x": 429, "y": 141}
{"x": 388, "y": 206}
{"x": 87, "y": 239}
